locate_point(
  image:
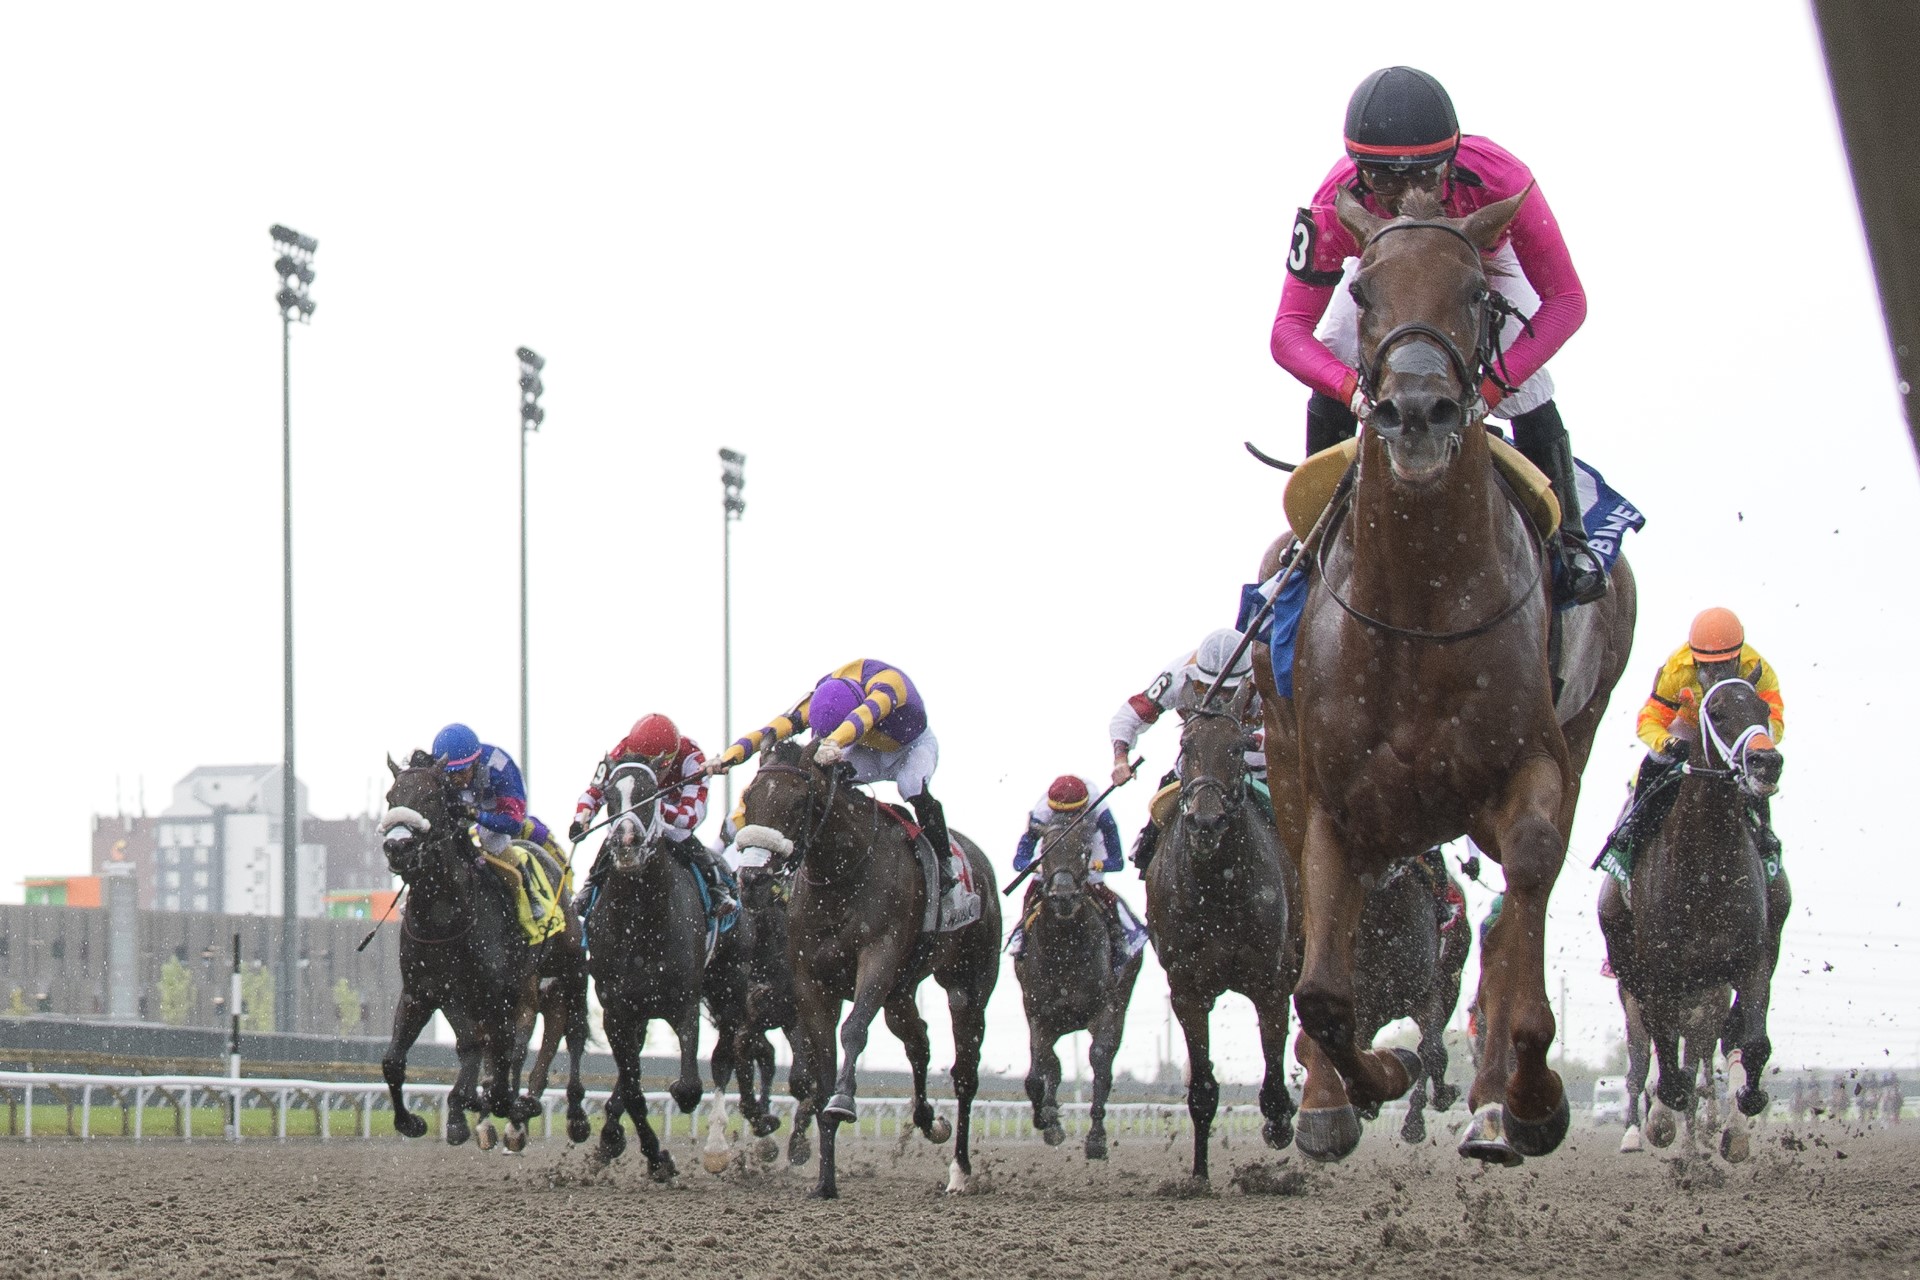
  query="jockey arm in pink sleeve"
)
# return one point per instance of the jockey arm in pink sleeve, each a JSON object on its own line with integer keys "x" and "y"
{"x": 1543, "y": 255}
{"x": 1296, "y": 350}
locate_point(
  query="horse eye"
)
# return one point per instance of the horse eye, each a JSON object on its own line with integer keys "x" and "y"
{"x": 1358, "y": 295}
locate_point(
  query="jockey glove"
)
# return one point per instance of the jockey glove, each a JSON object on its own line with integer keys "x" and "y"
{"x": 1676, "y": 750}
{"x": 576, "y": 831}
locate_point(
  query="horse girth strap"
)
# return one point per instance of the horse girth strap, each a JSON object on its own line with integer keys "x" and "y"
{"x": 1513, "y": 606}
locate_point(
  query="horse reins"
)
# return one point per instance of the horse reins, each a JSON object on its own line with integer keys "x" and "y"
{"x": 1735, "y": 752}
{"x": 1232, "y": 795}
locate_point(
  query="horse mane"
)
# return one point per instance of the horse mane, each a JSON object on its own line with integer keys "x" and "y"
{"x": 1425, "y": 206}
{"x": 787, "y": 753}
{"x": 421, "y": 759}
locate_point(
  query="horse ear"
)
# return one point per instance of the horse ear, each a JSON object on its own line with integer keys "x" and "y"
{"x": 1485, "y": 226}
{"x": 1752, "y": 674}
{"x": 1359, "y": 221}
{"x": 392, "y": 768}
{"x": 1242, "y": 699}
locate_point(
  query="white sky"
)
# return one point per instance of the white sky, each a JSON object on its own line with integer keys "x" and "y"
{"x": 983, "y": 293}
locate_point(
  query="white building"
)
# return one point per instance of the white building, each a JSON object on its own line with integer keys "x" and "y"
{"x": 218, "y": 845}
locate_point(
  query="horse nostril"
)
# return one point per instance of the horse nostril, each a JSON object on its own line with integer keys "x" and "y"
{"x": 1445, "y": 415}
{"x": 1386, "y": 417}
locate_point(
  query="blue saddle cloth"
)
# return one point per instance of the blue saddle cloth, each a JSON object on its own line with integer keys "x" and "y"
{"x": 1608, "y": 518}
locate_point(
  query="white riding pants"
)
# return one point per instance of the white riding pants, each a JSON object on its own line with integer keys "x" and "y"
{"x": 909, "y": 768}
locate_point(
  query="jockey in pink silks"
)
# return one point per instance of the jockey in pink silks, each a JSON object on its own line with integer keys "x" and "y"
{"x": 1402, "y": 136}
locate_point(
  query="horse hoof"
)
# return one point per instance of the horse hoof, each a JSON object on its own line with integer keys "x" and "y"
{"x": 1053, "y": 1134}
{"x": 1410, "y": 1063}
{"x": 579, "y": 1128}
{"x": 686, "y": 1097}
{"x": 840, "y": 1109}
{"x": 661, "y": 1168}
{"x": 1327, "y": 1134}
{"x": 1734, "y": 1146}
{"x": 823, "y": 1193}
{"x": 457, "y": 1131}
{"x": 1367, "y": 1111}
{"x": 799, "y": 1149}
{"x": 486, "y": 1135}
{"x": 1414, "y": 1131}
{"x": 1630, "y": 1143}
{"x": 613, "y": 1143}
{"x": 762, "y": 1126}
{"x": 1485, "y": 1140}
{"x": 1662, "y": 1127}
{"x": 940, "y": 1130}
{"x": 1444, "y": 1095}
{"x": 715, "y": 1162}
{"x": 1096, "y": 1146}
{"x": 1753, "y": 1102}
{"x": 766, "y": 1150}
{"x": 516, "y": 1138}
{"x": 409, "y": 1125}
{"x": 1538, "y": 1137}
{"x": 959, "y": 1181}
{"x": 1278, "y": 1132}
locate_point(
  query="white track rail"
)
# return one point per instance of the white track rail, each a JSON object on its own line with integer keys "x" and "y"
{"x": 333, "y": 1102}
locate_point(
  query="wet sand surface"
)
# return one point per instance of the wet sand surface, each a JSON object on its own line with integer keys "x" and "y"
{"x": 1811, "y": 1201}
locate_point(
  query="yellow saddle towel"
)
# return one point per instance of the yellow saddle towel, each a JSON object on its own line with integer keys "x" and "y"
{"x": 1311, "y": 486}
{"x": 525, "y": 867}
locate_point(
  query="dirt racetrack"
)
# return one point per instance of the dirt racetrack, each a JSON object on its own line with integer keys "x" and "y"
{"x": 1818, "y": 1201}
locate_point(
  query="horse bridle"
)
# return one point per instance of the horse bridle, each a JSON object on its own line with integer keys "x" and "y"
{"x": 650, "y": 829}
{"x": 1733, "y": 753}
{"x": 1489, "y": 356}
{"x": 813, "y": 825}
{"x": 1232, "y": 794}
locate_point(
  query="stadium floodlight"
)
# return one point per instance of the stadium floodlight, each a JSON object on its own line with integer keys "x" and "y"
{"x": 295, "y": 270}
{"x": 531, "y": 416}
{"x": 733, "y": 478}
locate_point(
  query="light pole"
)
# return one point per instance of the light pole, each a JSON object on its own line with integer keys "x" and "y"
{"x": 733, "y": 478}
{"x": 295, "y": 268}
{"x": 531, "y": 416}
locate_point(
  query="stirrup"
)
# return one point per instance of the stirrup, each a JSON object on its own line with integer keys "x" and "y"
{"x": 1583, "y": 578}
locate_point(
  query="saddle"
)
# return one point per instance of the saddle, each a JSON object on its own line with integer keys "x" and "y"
{"x": 1311, "y": 486}
{"x": 535, "y": 879}
{"x": 962, "y": 908}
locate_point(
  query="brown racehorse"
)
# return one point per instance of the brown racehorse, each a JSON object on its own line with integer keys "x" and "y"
{"x": 1704, "y": 915}
{"x": 855, "y": 919}
{"x": 1220, "y": 896}
{"x": 1067, "y": 979}
{"x": 1424, "y": 708}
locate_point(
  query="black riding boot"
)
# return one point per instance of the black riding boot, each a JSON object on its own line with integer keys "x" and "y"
{"x": 1328, "y": 423}
{"x": 933, "y": 819}
{"x": 1116, "y": 938}
{"x": 1541, "y": 437}
{"x": 703, "y": 859}
{"x": 1143, "y": 846}
{"x": 596, "y": 876}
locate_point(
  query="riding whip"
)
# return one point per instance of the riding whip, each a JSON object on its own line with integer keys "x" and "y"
{"x": 382, "y": 920}
{"x": 1134, "y": 772}
{"x": 1266, "y": 610}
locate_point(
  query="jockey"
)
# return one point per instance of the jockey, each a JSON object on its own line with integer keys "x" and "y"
{"x": 1067, "y": 797}
{"x": 677, "y": 763}
{"x": 1178, "y": 687}
{"x": 485, "y": 781}
{"x": 1669, "y": 725}
{"x": 1402, "y": 136}
{"x": 870, "y": 715}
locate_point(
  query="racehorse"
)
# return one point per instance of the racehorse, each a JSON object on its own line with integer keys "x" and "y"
{"x": 563, "y": 1012}
{"x": 1220, "y": 894}
{"x": 1700, "y": 1023}
{"x": 1067, "y": 979}
{"x": 1424, "y": 708}
{"x": 462, "y": 951}
{"x": 859, "y": 901}
{"x": 1407, "y": 966}
{"x": 770, "y": 1006}
{"x": 648, "y": 956}
{"x": 1704, "y": 917}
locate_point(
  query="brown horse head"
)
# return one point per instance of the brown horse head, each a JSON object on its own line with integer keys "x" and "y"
{"x": 1065, "y": 856}
{"x": 1734, "y": 732}
{"x": 420, "y": 819}
{"x": 787, "y": 803}
{"x": 1424, "y": 313}
{"x": 1213, "y": 766}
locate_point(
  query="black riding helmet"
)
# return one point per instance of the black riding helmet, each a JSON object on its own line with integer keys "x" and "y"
{"x": 1401, "y": 118}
